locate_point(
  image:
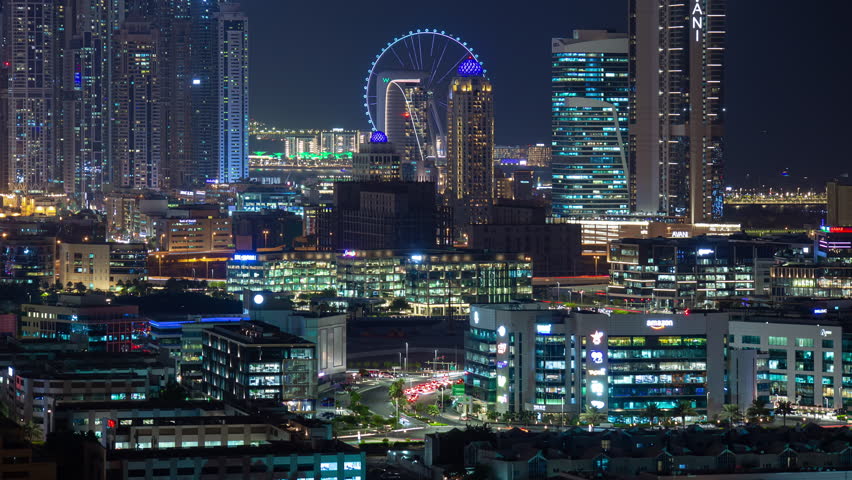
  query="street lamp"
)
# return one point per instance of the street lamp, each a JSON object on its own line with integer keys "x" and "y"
{"x": 597, "y": 257}
{"x": 265, "y": 238}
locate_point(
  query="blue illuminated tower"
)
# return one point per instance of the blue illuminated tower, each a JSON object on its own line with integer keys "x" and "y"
{"x": 590, "y": 116}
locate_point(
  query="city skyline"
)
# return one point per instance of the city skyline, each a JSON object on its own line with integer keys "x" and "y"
{"x": 754, "y": 139}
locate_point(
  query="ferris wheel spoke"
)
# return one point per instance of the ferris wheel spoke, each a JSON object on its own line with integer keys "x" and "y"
{"x": 453, "y": 67}
{"x": 397, "y": 56}
{"x": 435, "y": 65}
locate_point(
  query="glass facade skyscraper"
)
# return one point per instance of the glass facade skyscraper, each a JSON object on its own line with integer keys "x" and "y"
{"x": 589, "y": 114}
{"x": 677, "y": 54}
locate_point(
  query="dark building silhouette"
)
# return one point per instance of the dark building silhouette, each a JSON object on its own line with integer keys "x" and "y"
{"x": 381, "y": 215}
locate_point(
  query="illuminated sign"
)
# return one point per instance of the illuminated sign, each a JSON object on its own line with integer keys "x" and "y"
{"x": 349, "y": 253}
{"x": 476, "y": 318}
{"x": 596, "y": 356}
{"x": 825, "y": 332}
{"x": 258, "y": 299}
{"x": 836, "y": 229}
{"x": 11, "y": 372}
{"x": 679, "y": 234}
{"x": 502, "y": 399}
{"x": 501, "y": 348}
{"x": 196, "y": 81}
{"x": 501, "y": 331}
{"x": 501, "y": 381}
{"x": 597, "y": 388}
{"x": 597, "y": 404}
{"x": 502, "y": 364}
{"x": 820, "y": 311}
{"x": 597, "y": 337}
{"x": 245, "y": 257}
{"x": 697, "y": 20}
{"x": 543, "y": 329}
{"x": 705, "y": 251}
{"x": 417, "y": 258}
{"x": 659, "y": 324}
{"x": 539, "y": 408}
{"x": 600, "y": 372}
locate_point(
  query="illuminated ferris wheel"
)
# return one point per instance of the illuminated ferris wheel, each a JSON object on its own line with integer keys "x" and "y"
{"x": 408, "y": 82}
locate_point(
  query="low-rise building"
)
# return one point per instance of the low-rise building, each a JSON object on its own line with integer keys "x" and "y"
{"x": 90, "y": 320}
{"x": 36, "y": 383}
{"x": 255, "y": 361}
{"x": 688, "y": 272}
{"x": 300, "y": 461}
{"x": 102, "y": 266}
{"x": 524, "y": 357}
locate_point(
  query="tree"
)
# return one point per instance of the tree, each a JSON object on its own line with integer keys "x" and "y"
{"x": 784, "y": 408}
{"x": 399, "y": 304}
{"x": 757, "y": 411}
{"x": 354, "y": 398}
{"x": 476, "y": 409}
{"x": 730, "y": 413}
{"x": 396, "y": 393}
{"x": 433, "y": 410}
{"x": 173, "y": 391}
{"x": 491, "y": 414}
{"x": 80, "y": 287}
{"x": 652, "y": 412}
{"x": 682, "y": 410}
{"x": 592, "y": 416}
{"x": 32, "y": 432}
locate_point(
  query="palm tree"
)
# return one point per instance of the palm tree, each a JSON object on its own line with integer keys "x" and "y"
{"x": 31, "y": 431}
{"x": 682, "y": 410}
{"x": 652, "y": 412}
{"x": 757, "y": 411}
{"x": 592, "y": 416}
{"x": 396, "y": 393}
{"x": 730, "y": 413}
{"x": 784, "y": 408}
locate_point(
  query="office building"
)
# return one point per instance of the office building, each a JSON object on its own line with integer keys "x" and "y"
{"x": 102, "y": 266}
{"x": 590, "y": 117}
{"x": 233, "y": 84}
{"x": 37, "y": 381}
{"x": 466, "y": 278}
{"x": 326, "y": 331}
{"x": 32, "y": 52}
{"x": 294, "y": 272}
{"x": 200, "y": 234}
{"x": 382, "y": 215}
{"x": 690, "y": 272}
{"x": 137, "y": 108}
{"x": 470, "y": 145}
{"x": 376, "y": 161}
{"x": 523, "y": 357}
{"x": 224, "y": 462}
{"x": 28, "y": 250}
{"x": 434, "y": 282}
{"x": 677, "y": 107}
{"x": 802, "y": 359}
{"x": 255, "y": 361}
{"x": 839, "y": 204}
{"x": 88, "y": 320}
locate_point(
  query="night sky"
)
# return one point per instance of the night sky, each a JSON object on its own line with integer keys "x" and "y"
{"x": 788, "y": 95}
